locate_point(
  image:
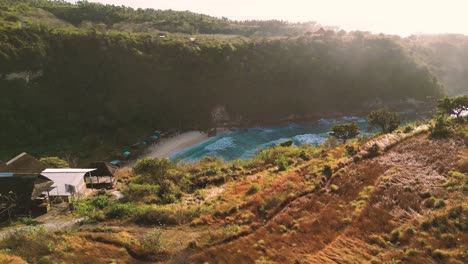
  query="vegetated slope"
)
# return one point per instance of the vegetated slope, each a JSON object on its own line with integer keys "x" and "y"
{"x": 406, "y": 205}
{"x": 103, "y": 86}
{"x": 86, "y": 14}
{"x": 290, "y": 205}
{"x": 448, "y": 56}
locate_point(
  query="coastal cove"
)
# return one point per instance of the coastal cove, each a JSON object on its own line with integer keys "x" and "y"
{"x": 243, "y": 143}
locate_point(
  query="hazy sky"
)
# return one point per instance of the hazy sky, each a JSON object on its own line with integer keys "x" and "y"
{"x": 401, "y": 17}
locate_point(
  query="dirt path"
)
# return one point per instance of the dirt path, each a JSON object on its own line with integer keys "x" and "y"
{"x": 50, "y": 226}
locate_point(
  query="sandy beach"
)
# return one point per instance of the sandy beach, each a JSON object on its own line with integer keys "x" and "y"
{"x": 166, "y": 146}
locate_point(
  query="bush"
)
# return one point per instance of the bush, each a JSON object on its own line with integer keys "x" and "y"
{"x": 136, "y": 192}
{"x": 54, "y": 162}
{"x": 441, "y": 128}
{"x": 119, "y": 210}
{"x": 153, "y": 170}
{"x": 153, "y": 241}
{"x": 408, "y": 129}
{"x": 288, "y": 143}
{"x": 350, "y": 151}
{"x": 254, "y": 188}
{"x": 168, "y": 192}
{"x": 100, "y": 201}
{"x": 156, "y": 217}
{"x": 373, "y": 151}
{"x": 282, "y": 163}
{"x": 327, "y": 171}
{"x": 439, "y": 203}
{"x": 440, "y": 254}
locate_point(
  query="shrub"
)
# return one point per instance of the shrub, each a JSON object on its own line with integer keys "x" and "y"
{"x": 282, "y": 163}
{"x": 54, "y": 162}
{"x": 100, "y": 201}
{"x": 327, "y": 171}
{"x": 373, "y": 151}
{"x": 153, "y": 241}
{"x": 156, "y": 216}
{"x": 426, "y": 225}
{"x": 254, "y": 188}
{"x": 439, "y": 203}
{"x": 440, "y": 254}
{"x": 288, "y": 143}
{"x": 394, "y": 236}
{"x": 136, "y": 192}
{"x": 119, "y": 210}
{"x": 441, "y": 128}
{"x": 351, "y": 151}
{"x": 407, "y": 129}
{"x": 153, "y": 170}
{"x": 169, "y": 192}
{"x": 429, "y": 203}
{"x": 448, "y": 240}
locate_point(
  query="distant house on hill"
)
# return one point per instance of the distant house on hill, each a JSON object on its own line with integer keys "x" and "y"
{"x": 21, "y": 194}
{"x": 321, "y": 31}
{"x": 68, "y": 182}
{"x": 25, "y": 163}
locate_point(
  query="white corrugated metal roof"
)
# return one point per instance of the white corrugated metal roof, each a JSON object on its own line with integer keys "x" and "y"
{"x": 68, "y": 170}
{"x": 63, "y": 177}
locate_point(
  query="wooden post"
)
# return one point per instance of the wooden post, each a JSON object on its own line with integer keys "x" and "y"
{"x": 91, "y": 179}
{"x": 48, "y": 198}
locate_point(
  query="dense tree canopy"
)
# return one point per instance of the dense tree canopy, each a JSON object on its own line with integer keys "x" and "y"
{"x": 63, "y": 83}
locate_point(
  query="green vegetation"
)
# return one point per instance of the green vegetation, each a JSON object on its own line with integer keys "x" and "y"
{"x": 454, "y": 106}
{"x": 385, "y": 120}
{"x": 345, "y": 132}
{"x": 54, "y": 162}
{"x": 91, "y": 62}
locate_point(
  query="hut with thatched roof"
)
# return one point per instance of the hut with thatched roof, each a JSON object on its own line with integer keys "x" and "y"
{"x": 25, "y": 163}
{"x": 103, "y": 176}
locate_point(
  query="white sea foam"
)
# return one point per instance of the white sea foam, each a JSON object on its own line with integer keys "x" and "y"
{"x": 310, "y": 139}
{"x": 223, "y": 143}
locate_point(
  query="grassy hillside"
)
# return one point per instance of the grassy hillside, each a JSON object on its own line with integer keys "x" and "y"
{"x": 287, "y": 205}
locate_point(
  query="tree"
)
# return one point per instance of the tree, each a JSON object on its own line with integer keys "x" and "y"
{"x": 54, "y": 162}
{"x": 387, "y": 121}
{"x": 453, "y": 106}
{"x": 345, "y": 131}
{"x": 154, "y": 170}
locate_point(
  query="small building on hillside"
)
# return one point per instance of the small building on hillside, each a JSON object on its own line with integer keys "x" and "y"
{"x": 102, "y": 177}
{"x": 23, "y": 194}
{"x": 68, "y": 182}
{"x": 25, "y": 163}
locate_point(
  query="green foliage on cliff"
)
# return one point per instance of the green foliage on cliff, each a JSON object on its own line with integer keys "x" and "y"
{"x": 86, "y": 85}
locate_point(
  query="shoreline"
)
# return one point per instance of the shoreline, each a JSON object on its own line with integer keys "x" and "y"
{"x": 167, "y": 146}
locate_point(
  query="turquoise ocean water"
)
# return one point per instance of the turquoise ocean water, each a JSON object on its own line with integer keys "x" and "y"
{"x": 244, "y": 143}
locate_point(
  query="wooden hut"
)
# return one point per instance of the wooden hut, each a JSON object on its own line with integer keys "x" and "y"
{"x": 20, "y": 194}
{"x": 102, "y": 177}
